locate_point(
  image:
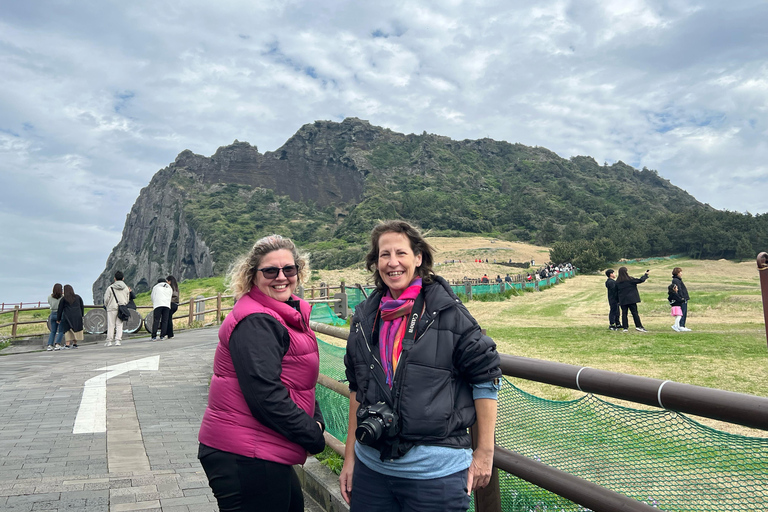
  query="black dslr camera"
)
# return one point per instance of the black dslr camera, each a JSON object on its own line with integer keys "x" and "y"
{"x": 374, "y": 422}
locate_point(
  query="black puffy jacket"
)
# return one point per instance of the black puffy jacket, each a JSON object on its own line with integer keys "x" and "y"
{"x": 628, "y": 293}
{"x": 431, "y": 392}
{"x": 681, "y": 289}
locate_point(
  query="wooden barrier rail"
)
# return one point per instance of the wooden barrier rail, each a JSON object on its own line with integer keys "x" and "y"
{"x": 193, "y": 303}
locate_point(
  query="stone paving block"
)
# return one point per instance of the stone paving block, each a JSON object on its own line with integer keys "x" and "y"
{"x": 60, "y": 505}
{"x": 147, "y": 506}
{"x": 171, "y": 493}
{"x": 47, "y": 487}
{"x": 167, "y": 486}
{"x": 203, "y": 507}
{"x": 123, "y": 491}
{"x": 25, "y": 488}
{"x": 199, "y": 491}
{"x": 147, "y": 496}
{"x": 116, "y": 500}
{"x": 96, "y": 486}
{"x": 32, "y": 498}
{"x": 187, "y": 500}
{"x": 24, "y": 507}
{"x": 118, "y": 483}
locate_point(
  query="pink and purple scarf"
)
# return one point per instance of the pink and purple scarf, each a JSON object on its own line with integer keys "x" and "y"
{"x": 393, "y": 328}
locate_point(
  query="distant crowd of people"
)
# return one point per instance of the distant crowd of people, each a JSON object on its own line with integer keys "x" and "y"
{"x": 543, "y": 273}
{"x": 68, "y": 310}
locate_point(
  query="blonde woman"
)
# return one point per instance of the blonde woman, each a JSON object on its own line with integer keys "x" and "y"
{"x": 262, "y": 416}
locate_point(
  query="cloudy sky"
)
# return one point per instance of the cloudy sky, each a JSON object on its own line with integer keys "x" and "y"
{"x": 95, "y": 97}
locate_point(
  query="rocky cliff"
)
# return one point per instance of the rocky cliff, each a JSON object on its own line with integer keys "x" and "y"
{"x": 159, "y": 239}
{"x": 330, "y": 182}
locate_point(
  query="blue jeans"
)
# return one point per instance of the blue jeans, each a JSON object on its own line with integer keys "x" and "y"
{"x": 374, "y": 492}
{"x": 54, "y": 330}
{"x": 684, "y": 307}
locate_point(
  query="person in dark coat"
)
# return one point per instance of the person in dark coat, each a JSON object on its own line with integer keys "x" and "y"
{"x": 417, "y": 359}
{"x": 131, "y": 296}
{"x": 677, "y": 280}
{"x": 629, "y": 297}
{"x": 675, "y": 302}
{"x": 70, "y": 317}
{"x": 613, "y": 300}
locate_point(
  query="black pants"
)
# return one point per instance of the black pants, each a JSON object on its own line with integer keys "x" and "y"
{"x": 613, "y": 314}
{"x": 635, "y": 316}
{"x": 253, "y": 485}
{"x": 174, "y": 308}
{"x": 160, "y": 320}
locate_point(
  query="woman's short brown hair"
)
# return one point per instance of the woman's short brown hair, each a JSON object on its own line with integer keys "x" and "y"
{"x": 418, "y": 246}
{"x": 676, "y": 271}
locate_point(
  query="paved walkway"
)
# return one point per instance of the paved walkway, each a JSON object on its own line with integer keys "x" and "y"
{"x": 135, "y": 446}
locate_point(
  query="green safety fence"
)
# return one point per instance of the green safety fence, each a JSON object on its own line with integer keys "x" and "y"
{"x": 662, "y": 458}
{"x": 323, "y": 313}
{"x": 355, "y": 296}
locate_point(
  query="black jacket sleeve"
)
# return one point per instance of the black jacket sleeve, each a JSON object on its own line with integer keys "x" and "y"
{"x": 258, "y": 345}
{"x": 60, "y": 312}
{"x": 475, "y": 354}
{"x": 318, "y": 417}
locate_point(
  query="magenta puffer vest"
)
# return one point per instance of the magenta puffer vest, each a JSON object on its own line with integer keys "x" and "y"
{"x": 228, "y": 424}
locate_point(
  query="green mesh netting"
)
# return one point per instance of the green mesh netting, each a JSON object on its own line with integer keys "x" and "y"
{"x": 355, "y": 296}
{"x": 323, "y": 313}
{"x": 660, "y": 457}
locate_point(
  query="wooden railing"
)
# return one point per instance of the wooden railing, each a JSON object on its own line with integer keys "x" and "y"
{"x": 196, "y": 310}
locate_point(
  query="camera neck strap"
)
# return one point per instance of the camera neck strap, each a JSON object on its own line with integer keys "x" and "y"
{"x": 413, "y": 321}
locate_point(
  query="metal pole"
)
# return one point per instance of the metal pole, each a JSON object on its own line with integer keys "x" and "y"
{"x": 762, "y": 267}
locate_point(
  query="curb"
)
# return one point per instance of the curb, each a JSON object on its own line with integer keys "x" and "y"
{"x": 322, "y": 485}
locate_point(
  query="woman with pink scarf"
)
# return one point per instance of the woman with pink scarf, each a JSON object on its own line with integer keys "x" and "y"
{"x": 421, "y": 373}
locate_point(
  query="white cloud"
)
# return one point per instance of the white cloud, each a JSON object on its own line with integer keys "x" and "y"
{"x": 94, "y": 102}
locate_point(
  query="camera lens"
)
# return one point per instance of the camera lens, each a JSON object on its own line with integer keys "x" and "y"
{"x": 369, "y": 430}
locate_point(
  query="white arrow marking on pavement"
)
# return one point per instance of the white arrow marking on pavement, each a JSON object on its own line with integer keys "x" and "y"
{"x": 92, "y": 415}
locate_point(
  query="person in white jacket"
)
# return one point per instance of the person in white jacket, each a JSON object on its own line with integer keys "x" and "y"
{"x": 116, "y": 294}
{"x": 161, "y": 302}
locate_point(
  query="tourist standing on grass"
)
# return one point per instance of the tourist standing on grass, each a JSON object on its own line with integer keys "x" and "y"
{"x": 116, "y": 294}
{"x": 613, "y": 300}
{"x": 677, "y": 279}
{"x": 675, "y": 301}
{"x": 70, "y": 317}
{"x": 262, "y": 416}
{"x": 629, "y": 297}
{"x": 54, "y": 338}
{"x": 161, "y": 302}
{"x": 174, "y": 303}
{"x": 418, "y": 366}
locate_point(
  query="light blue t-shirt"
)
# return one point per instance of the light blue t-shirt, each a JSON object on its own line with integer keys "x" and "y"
{"x": 424, "y": 462}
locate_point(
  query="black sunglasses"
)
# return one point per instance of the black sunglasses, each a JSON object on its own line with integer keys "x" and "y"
{"x": 273, "y": 272}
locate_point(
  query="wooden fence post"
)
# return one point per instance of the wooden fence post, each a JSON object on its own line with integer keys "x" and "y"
{"x": 191, "y": 310}
{"x": 218, "y": 308}
{"x": 199, "y": 308}
{"x": 15, "y": 320}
